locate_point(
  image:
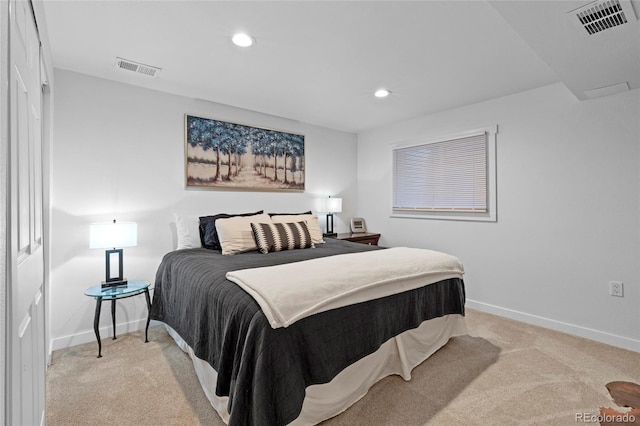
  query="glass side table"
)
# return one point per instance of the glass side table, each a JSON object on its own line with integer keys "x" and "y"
{"x": 133, "y": 288}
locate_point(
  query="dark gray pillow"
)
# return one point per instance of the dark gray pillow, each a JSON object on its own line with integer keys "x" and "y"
{"x": 288, "y": 214}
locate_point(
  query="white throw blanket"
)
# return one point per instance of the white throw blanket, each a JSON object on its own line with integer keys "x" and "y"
{"x": 289, "y": 292}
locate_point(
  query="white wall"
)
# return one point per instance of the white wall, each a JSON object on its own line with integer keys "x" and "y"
{"x": 118, "y": 154}
{"x": 568, "y": 209}
{"x": 568, "y": 199}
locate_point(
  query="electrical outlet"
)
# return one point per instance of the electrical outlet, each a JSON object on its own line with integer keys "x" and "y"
{"x": 616, "y": 288}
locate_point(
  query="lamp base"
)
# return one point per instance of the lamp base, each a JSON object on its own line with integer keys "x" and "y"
{"x": 115, "y": 283}
{"x": 329, "y": 228}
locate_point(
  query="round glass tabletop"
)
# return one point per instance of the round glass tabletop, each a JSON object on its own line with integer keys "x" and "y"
{"x": 131, "y": 288}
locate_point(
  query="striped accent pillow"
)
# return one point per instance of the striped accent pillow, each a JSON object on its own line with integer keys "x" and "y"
{"x": 281, "y": 236}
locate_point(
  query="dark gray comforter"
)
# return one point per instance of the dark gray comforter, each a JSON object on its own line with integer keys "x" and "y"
{"x": 265, "y": 371}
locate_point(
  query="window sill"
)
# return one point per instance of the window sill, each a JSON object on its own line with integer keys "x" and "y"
{"x": 461, "y": 216}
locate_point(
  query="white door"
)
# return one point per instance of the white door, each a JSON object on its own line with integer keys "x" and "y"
{"x": 26, "y": 356}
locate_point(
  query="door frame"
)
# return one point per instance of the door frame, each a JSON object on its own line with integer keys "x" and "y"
{"x": 5, "y": 55}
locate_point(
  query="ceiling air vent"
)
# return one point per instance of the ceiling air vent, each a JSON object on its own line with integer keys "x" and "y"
{"x": 125, "y": 64}
{"x": 602, "y": 15}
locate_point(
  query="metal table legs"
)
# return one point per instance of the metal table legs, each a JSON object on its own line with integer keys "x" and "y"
{"x": 113, "y": 317}
{"x": 96, "y": 319}
{"x": 146, "y": 330}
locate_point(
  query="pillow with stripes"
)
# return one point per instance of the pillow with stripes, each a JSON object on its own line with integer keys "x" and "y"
{"x": 310, "y": 219}
{"x": 281, "y": 236}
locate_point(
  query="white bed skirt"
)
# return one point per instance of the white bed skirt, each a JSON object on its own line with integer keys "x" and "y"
{"x": 398, "y": 355}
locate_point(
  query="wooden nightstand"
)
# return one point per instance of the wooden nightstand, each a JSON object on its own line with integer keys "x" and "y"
{"x": 360, "y": 237}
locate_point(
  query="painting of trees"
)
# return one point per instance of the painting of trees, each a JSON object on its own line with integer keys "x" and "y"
{"x": 225, "y": 155}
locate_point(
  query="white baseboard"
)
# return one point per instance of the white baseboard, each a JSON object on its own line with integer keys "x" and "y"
{"x": 588, "y": 333}
{"x": 105, "y": 332}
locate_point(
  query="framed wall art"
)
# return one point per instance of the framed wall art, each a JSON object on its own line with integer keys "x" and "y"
{"x": 224, "y": 155}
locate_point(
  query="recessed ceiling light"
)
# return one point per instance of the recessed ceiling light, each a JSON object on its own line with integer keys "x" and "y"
{"x": 382, "y": 93}
{"x": 242, "y": 40}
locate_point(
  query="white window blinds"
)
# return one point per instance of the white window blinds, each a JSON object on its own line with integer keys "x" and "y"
{"x": 449, "y": 175}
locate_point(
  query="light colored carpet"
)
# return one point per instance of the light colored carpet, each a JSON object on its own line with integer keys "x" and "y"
{"x": 504, "y": 373}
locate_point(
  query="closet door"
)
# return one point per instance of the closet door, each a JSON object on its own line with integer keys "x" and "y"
{"x": 26, "y": 355}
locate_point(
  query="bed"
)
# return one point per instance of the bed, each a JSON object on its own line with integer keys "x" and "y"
{"x": 312, "y": 368}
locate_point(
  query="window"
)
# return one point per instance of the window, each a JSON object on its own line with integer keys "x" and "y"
{"x": 447, "y": 178}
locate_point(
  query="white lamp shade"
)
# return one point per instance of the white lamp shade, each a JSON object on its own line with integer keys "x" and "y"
{"x": 113, "y": 235}
{"x": 330, "y": 205}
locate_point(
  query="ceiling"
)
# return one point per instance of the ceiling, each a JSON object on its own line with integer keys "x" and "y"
{"x": 320, "y": 61}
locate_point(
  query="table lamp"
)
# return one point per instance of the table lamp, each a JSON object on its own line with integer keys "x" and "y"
{"x": 113, "y": 236}
{"x": 330, "y": 206}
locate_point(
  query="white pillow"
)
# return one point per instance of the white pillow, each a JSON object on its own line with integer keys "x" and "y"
{"x": 311, "y": 220}
{"x": 236, "y": 235}
{"x": 188, "y": 230}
